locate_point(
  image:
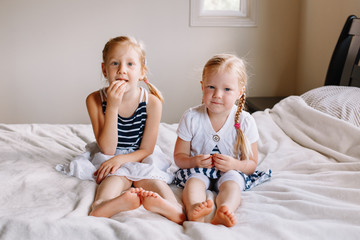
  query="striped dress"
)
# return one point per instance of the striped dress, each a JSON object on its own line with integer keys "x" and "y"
{"x": 130, "y": 130}
{"x": 130, "y": 133}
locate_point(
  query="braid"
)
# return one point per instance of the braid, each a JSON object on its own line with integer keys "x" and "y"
{"x": 242, "y": 143}
{"x": 153, "y": 90}
{"x": 241, "y": 103}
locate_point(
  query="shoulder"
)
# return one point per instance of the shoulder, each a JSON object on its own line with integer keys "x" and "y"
{"x": 247, "y": 120}
{"x": 191, "y": 123}
{"x": 93, "y": 97}
{"x": 154, "y": 104}
{"x": 246, "y": 116}
{"x": 192, "y": 117}
{"x": 93, "y": 101}
{"x": 194, "y": 112}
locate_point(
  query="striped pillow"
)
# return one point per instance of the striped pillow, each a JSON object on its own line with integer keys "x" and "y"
{"x": 338, "y": 101}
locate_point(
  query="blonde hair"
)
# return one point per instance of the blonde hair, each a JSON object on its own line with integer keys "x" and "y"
{"x": 139, "y": 48}
{"x": 229, "y": 62}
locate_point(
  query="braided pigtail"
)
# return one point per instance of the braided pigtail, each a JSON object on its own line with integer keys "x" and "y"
{"x": 153, "y": 90}
{"x": 242, "y": 143}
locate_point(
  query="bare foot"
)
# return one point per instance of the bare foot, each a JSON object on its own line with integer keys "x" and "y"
{"x": 129, "y": 200}
{"x": 200, "y": 210}
{"x": 224, "y": 216}
{"x": 153, "y": 202}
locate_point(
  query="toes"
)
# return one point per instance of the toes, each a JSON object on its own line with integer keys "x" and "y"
{"x": 148, "y": 194}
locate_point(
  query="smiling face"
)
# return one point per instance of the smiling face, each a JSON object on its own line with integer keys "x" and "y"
{"x": 122, "y": 62}
{"x": 220, "y": 91}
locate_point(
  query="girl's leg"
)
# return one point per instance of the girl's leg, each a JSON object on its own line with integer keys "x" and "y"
{"x": 227, "y": 201}
{"x": 194, "y": 198}
{"x": 158, "y": 197}
{"x": 110, "y": 200}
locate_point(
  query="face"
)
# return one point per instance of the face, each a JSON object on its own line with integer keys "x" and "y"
{"x": 123, "y": 63}
{"x": 220, "y": 91}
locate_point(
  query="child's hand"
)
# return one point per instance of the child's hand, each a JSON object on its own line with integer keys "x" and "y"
{"x": 115, "y": 93}
{"x": 224, "y": 163}
{"x": 109, "y": 166}
{"x": 204, "y": 161}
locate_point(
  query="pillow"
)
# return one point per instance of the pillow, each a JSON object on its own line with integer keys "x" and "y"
{"x": 338, "y": 101}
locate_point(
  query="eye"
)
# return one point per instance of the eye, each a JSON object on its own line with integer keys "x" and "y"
{"x": 211, "y": 87}
{"x": 114, "y": 64}
{"x": 130, "y": 64}
{"x": 227, "y": 89}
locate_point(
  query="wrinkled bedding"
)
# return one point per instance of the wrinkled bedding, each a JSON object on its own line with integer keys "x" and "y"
{"x": 314, "y": 192}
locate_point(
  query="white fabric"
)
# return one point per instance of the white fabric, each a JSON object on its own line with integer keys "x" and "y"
{"x": 195, "y": 126}
{"x": 154, "y": 166}
{"x": 338, "y": 101}
{"x": 314, "y": 192}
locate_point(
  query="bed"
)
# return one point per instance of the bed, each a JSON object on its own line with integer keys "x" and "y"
{"x": 311, "y": 147}
{"x": 311, "y": 142}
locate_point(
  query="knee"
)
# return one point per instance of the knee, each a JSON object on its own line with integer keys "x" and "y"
{"x": 198, "y": 180}
{"x": 231, "y": 178}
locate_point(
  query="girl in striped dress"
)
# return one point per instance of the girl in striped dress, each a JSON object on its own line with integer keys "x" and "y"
{"x": 216, "y": 146}
{"x": 130, "y": 169}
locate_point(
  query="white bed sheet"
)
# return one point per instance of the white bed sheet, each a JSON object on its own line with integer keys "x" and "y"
{"x": 314, "y": 192}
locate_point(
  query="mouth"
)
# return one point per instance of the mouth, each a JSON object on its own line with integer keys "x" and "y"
{"x": 216, "y": 103}
{"x": 121, "y": 79}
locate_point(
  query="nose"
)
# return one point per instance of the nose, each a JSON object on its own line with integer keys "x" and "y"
{"x": 122, "y": 68}
{"x": 217, "y": 93}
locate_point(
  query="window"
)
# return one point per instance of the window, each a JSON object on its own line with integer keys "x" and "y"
{"x": 226, "y": 13}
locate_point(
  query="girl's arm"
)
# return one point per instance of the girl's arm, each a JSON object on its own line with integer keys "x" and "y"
{"x": 104, "y": 126}
{"x": 184, "y": 160}
{"x": 154, "y": 110}
{"x": 248, "y": 166}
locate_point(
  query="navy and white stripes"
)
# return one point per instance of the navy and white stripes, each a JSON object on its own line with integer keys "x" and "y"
{"x": 130, "y": 130}
{"x": 258, "y": 177}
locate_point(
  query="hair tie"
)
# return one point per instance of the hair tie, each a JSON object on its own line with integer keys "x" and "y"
{"x": 146, "y": 81}
{"x": 237, "y": 125}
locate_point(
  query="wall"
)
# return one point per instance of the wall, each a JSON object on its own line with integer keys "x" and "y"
{"x": 51, "y": 53}
{"x": 321, "y": 22}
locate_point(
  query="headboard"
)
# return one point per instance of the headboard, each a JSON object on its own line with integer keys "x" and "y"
{"x": 344, "y": 69}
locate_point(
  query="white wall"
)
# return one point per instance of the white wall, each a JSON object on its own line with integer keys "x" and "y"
{"x": 51, "y": 53}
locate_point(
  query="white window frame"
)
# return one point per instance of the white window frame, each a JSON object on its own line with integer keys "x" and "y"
{"x": 246, "y": 17}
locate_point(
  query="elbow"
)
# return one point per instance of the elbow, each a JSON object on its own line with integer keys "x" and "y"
{"x": 251, "y": 167}
{"x": 145, "y": 153}
{"x": 177, "y": 162}
{"x": 148, "y": 152}
{"x": 107, "y": 150}
{"x": 109, "y": 153}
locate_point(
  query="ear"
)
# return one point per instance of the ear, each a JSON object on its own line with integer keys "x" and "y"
{"x": 202, "y": 86}
{"x": 103, "y": 68}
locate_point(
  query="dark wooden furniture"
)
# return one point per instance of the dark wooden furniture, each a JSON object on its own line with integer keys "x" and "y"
{"x": 254, "y": 104}
{"x": 344, "y": 69}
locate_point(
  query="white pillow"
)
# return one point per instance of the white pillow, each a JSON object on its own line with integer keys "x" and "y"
{"x": 338, "y": 101}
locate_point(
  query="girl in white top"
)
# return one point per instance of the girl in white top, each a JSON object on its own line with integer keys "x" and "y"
{"x": 217, "y": 143}
{"x": 124, "y": 66}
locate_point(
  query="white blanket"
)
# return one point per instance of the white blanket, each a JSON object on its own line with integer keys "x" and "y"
{"x": 314, "y": 192}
